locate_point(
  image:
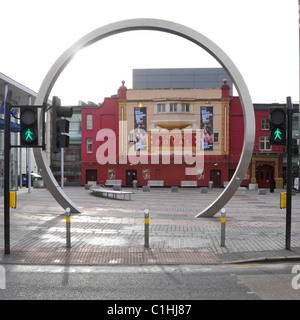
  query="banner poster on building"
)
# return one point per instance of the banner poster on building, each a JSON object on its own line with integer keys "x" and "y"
{"x": 111, "y": 175}
{"x": 146, "y": 174}
{"x": 207, "y": 124}
{"x": 200, "y": 175}
{"x": 140, "y": 128}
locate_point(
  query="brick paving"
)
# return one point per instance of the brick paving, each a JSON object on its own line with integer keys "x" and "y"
{"x": 111, "y": 231}
{"x": 111, "y": 256}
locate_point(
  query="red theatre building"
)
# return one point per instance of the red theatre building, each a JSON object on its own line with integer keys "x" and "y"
{"x": 267, "y": 160}
{"x": 174, "y": 137}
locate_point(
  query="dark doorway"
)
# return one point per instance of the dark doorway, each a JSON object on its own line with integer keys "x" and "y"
{"x": 263, "y": 175}
{"x": 130, "y": 176}
{"x": 90, "y": 175}
{"x": 215, "y": 176}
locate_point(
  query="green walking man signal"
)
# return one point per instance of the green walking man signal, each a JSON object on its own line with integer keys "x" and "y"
{"x": 29, "y": 126}
{"x": 277, "y": 123}
{"x": 28, "y": 135}
{"x": 278, "y": 134}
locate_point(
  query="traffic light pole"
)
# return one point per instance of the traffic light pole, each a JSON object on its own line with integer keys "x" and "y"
{"x": 28, "y": 169}
{"x": 289, "y": 171}
{"x": 62, "y": 167}
{"x": 7, "y": 148}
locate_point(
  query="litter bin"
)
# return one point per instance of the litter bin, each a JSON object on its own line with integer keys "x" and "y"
{"x": 210, "y": 184}
{"x": 282, "y": 200}
{"x": 134, "y": 184}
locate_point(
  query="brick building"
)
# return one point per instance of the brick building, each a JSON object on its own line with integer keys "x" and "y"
{"x": 152, "y": 129}
{"x": 267, "y": 160}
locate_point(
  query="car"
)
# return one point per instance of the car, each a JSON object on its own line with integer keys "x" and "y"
{"x": 34, "y": 177}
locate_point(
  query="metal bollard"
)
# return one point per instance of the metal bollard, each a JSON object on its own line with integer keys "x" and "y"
{"x": 223, "y": 223}
{"x": 146, "y": 215}
{"x": 68, "y": 227}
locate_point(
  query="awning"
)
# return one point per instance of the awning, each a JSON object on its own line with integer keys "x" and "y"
{"x": 14, "y": 127}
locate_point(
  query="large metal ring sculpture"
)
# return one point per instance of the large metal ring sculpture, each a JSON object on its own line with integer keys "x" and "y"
{"x": 181, "y": 31}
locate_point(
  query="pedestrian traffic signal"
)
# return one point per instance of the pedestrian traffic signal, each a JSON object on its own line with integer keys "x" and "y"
{"x": 28, "y": 127}
{"x": 59, "y": 125}
{"x": 277, "y": 128}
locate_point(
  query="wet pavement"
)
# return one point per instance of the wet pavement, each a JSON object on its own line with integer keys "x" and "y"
{"x": 111, "y": 231}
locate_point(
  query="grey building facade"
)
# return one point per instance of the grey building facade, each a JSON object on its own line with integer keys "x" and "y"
{"x": 181, "y": 78}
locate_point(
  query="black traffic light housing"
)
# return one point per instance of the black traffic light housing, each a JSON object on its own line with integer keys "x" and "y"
{"x": 59, "y": 126}
{"x": 277, "y": 129}
{"x": 28, "y": 127}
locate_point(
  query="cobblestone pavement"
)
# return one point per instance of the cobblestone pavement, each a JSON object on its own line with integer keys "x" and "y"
{"x": 111, "y": 231}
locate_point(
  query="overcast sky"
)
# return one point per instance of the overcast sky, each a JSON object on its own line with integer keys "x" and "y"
{"x": 260, "y": 36}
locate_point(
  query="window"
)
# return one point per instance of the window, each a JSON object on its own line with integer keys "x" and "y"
{"x": 264, "y": 143}
{"x": 185, "y": 107}
{"x": 216, "y": 137}
{"x": 173, "y": 107}
{"x": 131, "y": 137}
{"x": 161, "y": 108}
{"x": 265, "y": 124}
{"x": 89, "y": 121}
{"x": 89, "y": 145}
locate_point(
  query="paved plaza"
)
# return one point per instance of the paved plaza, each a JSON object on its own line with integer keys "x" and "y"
{"x": 111, "y": 231}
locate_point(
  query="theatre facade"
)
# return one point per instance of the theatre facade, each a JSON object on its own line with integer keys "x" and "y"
{"x": 170, "y": 135}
